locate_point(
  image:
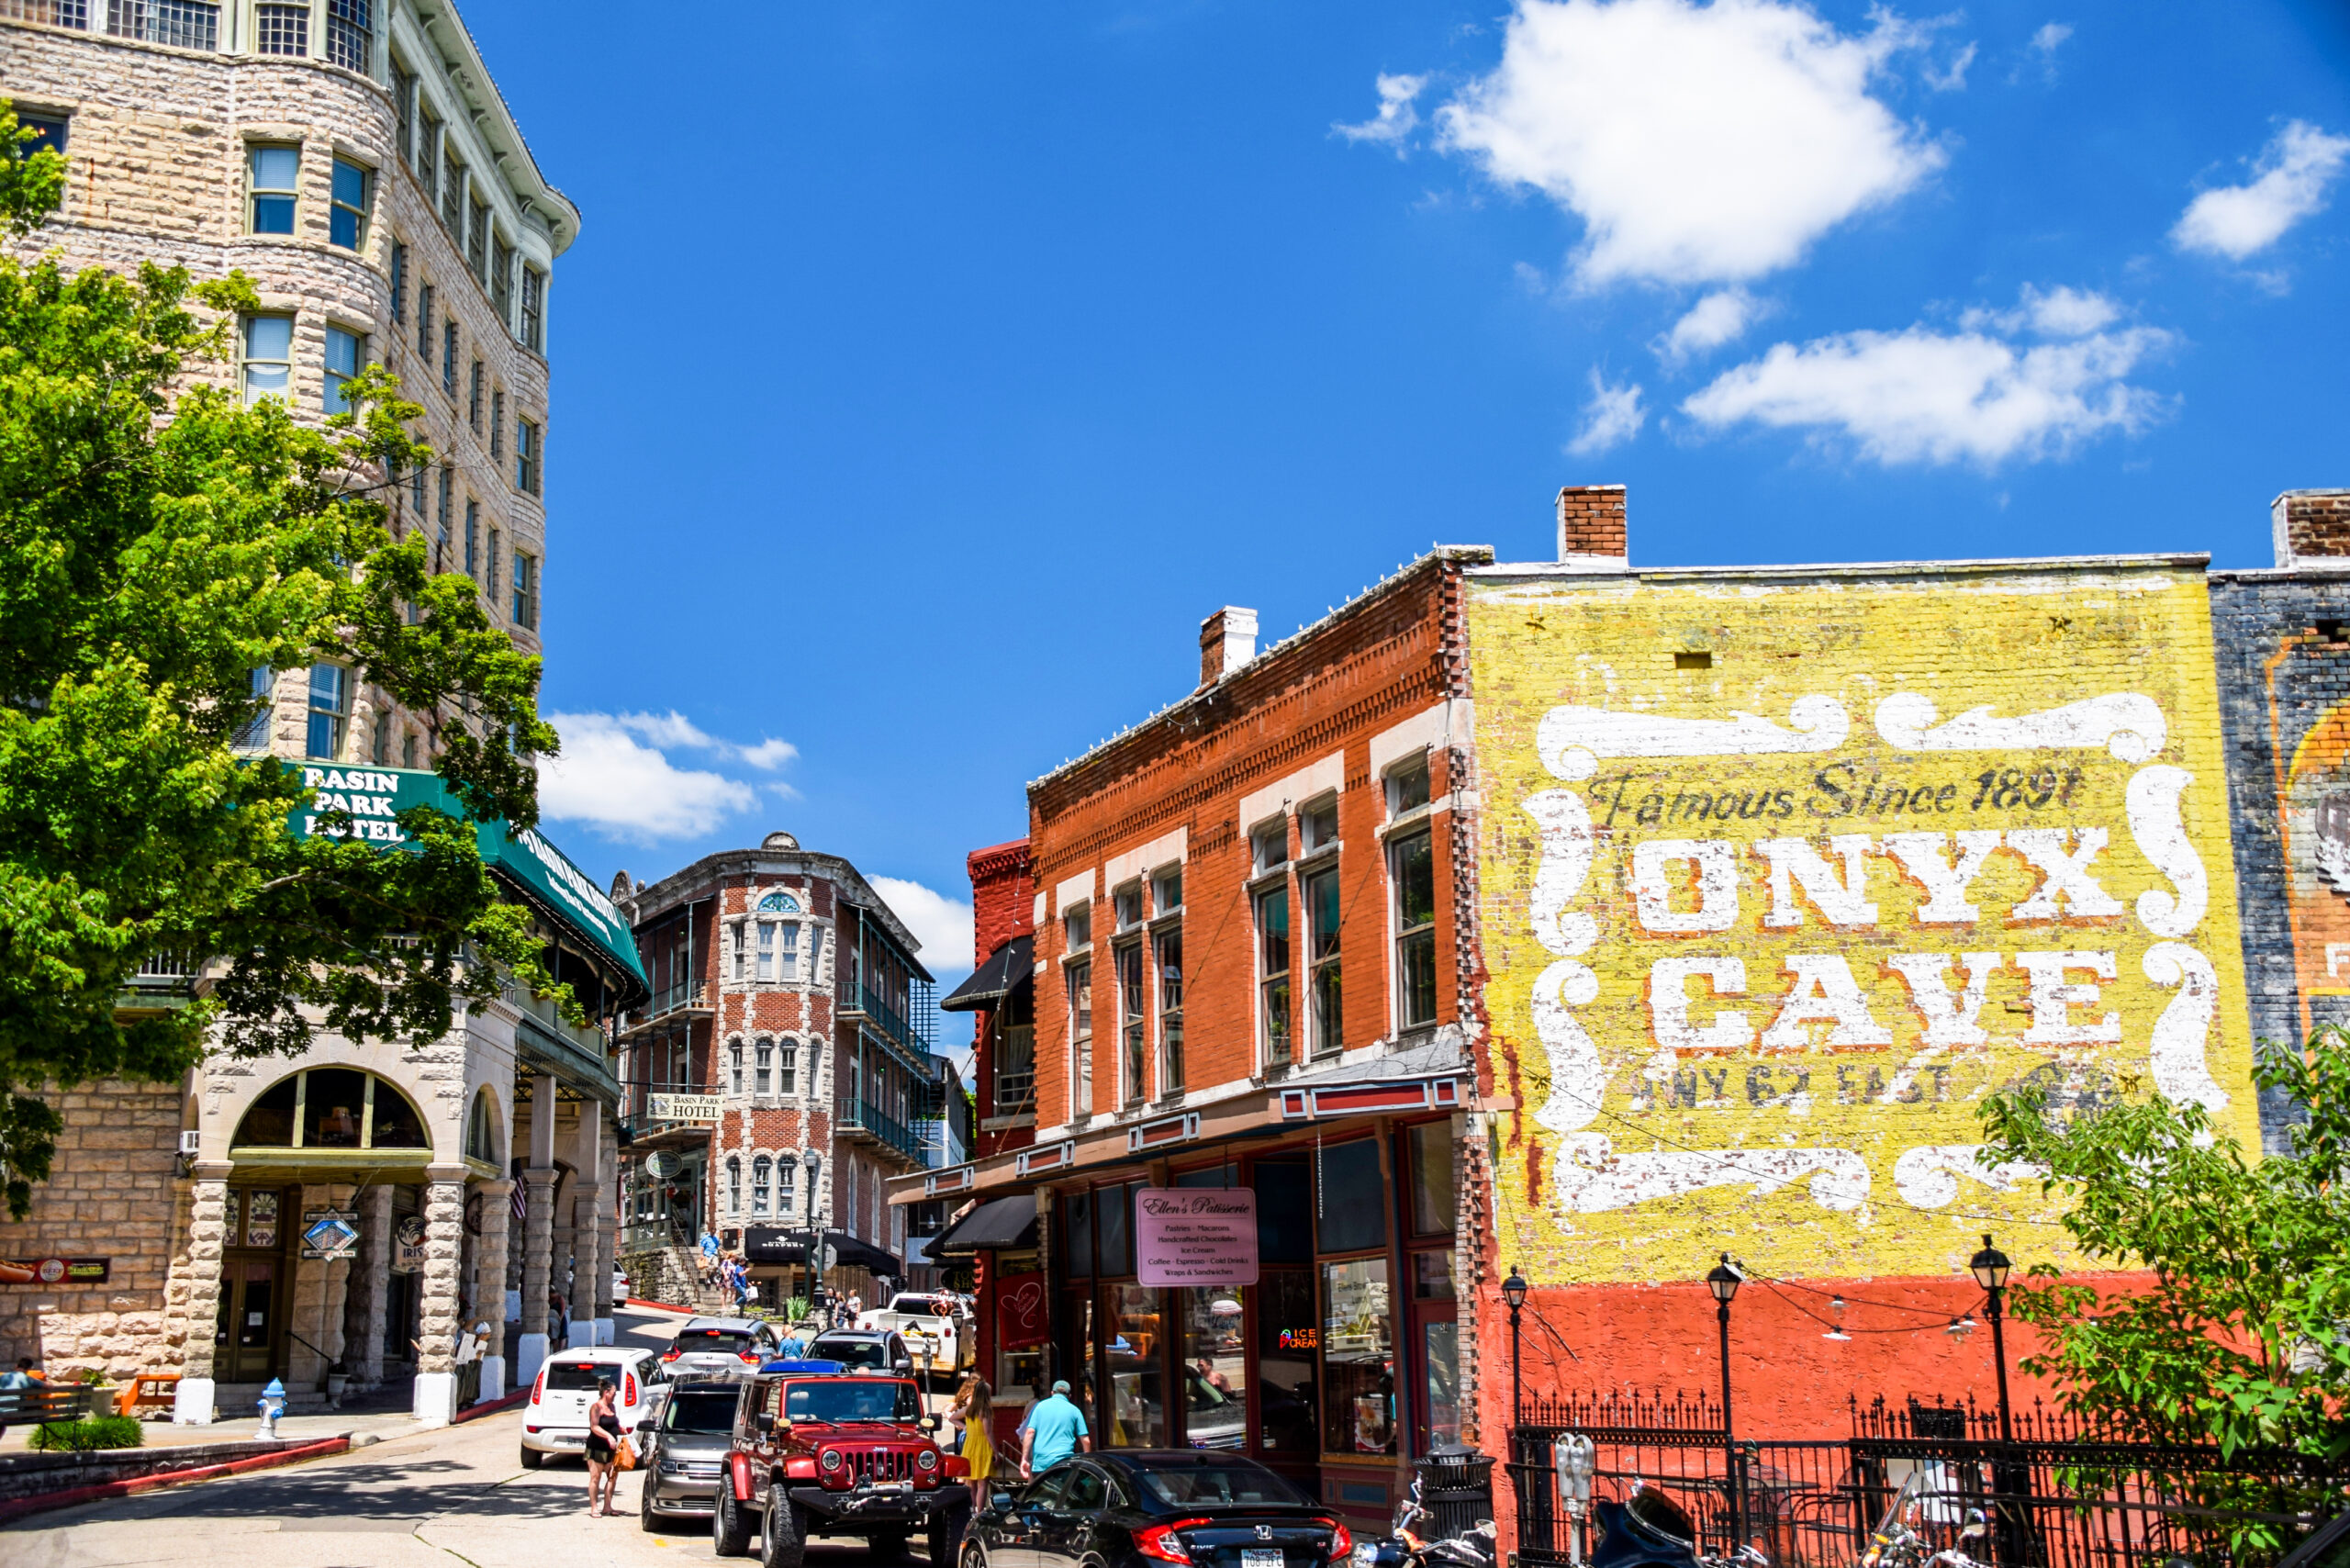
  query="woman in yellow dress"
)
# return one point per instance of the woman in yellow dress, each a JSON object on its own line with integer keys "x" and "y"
{"x": 975, "y": 1407}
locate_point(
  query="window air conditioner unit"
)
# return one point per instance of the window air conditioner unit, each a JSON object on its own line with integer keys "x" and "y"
{"x": 190, "y": 1140}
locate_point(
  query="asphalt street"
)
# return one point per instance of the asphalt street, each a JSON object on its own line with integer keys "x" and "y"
{"x": 427, "y": 1500}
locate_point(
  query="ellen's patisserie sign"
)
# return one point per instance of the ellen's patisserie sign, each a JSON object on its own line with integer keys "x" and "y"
{"x": 1195, "y": 1236}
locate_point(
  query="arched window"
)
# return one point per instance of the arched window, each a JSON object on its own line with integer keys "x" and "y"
{"x": 762, "y": 1082}
{"x": 761, "y": 1170}
{"x": 481, "y": 1131}
{"x": 734, "y": 1184}
{"x": 734, "y": 1055}
{"x": 785, "y": 1065}
{"x": 786, "y": 1168}
{"x": 779, "y": 903}
{"x": 332, "y": 1108}
{"x": 815, "y": 1058}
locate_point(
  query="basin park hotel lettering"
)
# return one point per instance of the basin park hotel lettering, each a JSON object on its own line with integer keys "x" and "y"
{"x": 1591, "y": 921}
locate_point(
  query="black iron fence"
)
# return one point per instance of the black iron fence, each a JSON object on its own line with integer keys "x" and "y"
{"x": 2057, "y": 1496}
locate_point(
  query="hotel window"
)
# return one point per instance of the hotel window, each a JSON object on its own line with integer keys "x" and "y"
{"x": 535, "y": 286}
{"x": 1272, "y": 974}
{"x": 496, "y": 423}
{"x": 489, "y": 572}
{"x": 787, "y": 962}
{"x": 1411, "y": 873}
{"x": 267, "y": 364}
{"x": 472, "y": 397}
{"x": 477, "y": 242}
{"x": 452, "y": 196}
{"x": 262, "y": 690}
{"x": 742, "y": 951}
{"x": 526, "y": 457}
{"x": 428, "y": 155}
{"x": 408, "y": 749}
{"x": 48, "y": 131}
{"x": 400, "y": 283}
{"x": 735, "y": 1057}
{"x": 734, "y": 1184}
{"x": 380, "y": 754}
{"x": 501, "y": 282}
{"x": 449, "y": 356}
{"x": 282, "y": 30}
{"x": 473, "y": 538}
{"x": 178, "y": 24}
{"x": 1169, "y": 945}
{"x": 448, "y": 478}
{"x": 767, "y": 949}
{"x": 763, "y": 1070}
{"x": 404, "y": 106}
{"x": 526, "y": 590}
{"x": 1134, "y": 1054}
{"x": 424, "y": 324}
{"x": 784, "y": 1172}
{"x": 347, "y": 218}
{"x": 329, "y": 700}
{"x": 351, "y": 34}
{"x": 787, "y": 1070}
{"x": 1320, "y": 894}
{"x": 271, "y": 174}
{"x": 761, "y": 1174}
{"x": 344, "y": 350}
{"x": 1079, "y": 982}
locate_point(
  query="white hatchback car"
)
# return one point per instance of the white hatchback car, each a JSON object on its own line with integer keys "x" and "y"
{"x": 556, "y": 1420}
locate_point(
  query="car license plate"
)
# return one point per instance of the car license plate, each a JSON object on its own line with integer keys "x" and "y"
{"x": 1260, "y": 1557}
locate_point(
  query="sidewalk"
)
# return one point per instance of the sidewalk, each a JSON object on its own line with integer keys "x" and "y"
{"x": 361, "y": 1428}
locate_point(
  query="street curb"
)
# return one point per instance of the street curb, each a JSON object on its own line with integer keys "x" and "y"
{"x": 656, "y": 1306}
{"x": 490, "y": 1407}
{"x": 73, "y": 1495}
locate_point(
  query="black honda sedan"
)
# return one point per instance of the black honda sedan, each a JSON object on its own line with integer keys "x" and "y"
{"x": 1148, "y": 1508}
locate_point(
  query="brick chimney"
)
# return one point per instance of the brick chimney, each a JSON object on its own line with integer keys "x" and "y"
{"x": 1591, "y": 520}
{"x": 1227, "y": 640}
{"x": 2309, "y": 524}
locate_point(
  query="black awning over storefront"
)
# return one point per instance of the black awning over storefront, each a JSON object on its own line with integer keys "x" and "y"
{"x": 1003, "y": 1224}
{"x": 1005, "y": 970}
{"x": 766, "y": 1248}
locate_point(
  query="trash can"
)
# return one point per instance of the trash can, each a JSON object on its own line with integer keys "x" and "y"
{"x": 1457, "y": 1490}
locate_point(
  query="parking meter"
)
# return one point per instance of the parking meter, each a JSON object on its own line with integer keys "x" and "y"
{"x": 1573, "y": 1461}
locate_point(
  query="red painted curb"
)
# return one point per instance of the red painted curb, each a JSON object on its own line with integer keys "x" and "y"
{"x": 73, "y": 1495}
{"x": 491, "y": 1407}
{"x": 658, "y": 1306}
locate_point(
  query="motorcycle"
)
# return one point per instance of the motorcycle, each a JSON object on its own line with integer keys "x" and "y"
{"x": 1405, "y": 1547}
{"x": 1903, "y": 1538}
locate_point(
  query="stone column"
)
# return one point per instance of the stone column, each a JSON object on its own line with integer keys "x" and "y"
{"x": 206, "y": 1236}
{"x": 585, "y": 1231}
{"x": 317, "y": 1340}
{"x": 608, "y": 1230}
{"x": 489, "y": 1283}
{"x": 444, "y": 1233}
{"x": 537, "y": 1236}
{"x": 371, "y": 1279}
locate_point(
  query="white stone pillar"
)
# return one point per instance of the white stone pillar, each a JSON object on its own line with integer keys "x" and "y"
{"x": 489, "y": 1283}
{"x": 608, "y": 1226}
{"x": 537, "y": 1237}
{"x": 581, "y": 1302}
{"x": 371, "y": 1278}
{"x": 444, "y": 1234}
{"x": 206, "y": 1235}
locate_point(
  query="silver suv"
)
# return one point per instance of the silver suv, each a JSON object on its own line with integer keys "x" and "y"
{"x": 685, "y": 1452}
{"x": 721, "y": 1347}
{"x": 863, "y": 1350}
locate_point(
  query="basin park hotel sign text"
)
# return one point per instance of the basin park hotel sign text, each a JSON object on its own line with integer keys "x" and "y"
{"x": 1593, "y": 921}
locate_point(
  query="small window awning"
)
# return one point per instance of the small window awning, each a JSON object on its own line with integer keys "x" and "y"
{"x": 1006, "y": 970}
{"x": 1003, "y": 1224}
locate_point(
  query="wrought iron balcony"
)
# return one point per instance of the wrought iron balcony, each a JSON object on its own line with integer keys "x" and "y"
{"x": 863, "y": 1117}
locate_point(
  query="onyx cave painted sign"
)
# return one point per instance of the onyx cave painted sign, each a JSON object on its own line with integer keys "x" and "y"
{"x": 1195, "y": 1236}
{"x": 373, "y": 798}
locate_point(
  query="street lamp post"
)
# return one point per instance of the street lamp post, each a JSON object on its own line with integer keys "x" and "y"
{"x": 1990, "y": 1268}
{"x": 1514, "y": 1294}
{"x": 1723, "y": 1282}
{"x": 813, "y": 1162}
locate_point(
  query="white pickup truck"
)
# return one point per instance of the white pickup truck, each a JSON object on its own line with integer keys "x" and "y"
{"x": 937, "y": 1328}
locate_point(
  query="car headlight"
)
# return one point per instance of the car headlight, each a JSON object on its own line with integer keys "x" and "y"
{"x": 832, "y": 1460}
{"x": 926, "y": 1460}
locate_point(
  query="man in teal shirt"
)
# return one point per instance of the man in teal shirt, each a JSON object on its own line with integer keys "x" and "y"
{"x": 1054, "y": 1429}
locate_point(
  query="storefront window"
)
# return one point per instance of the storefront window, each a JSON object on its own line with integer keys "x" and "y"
{"x": 1113, "y": 1248}
{"x": 1432, "y": 1195}
{"x": 1358, "y": 1356}
{"x": 1077, "y": 1236}
{"x": 1136, "y": 1413}
{"x": 1285, "y": 1213}
{"x": 335, "y": 1098}
{"x": 1215, "y": 1369}
{"x": 1287, "y": 1337}
{"x": 1432, "y": 1276}
{"x": 1440, "y": 1370}
{"x": 1354, "y": 1198}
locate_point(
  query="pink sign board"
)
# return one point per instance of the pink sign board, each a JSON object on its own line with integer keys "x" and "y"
{"x": 1195, "y": 1236}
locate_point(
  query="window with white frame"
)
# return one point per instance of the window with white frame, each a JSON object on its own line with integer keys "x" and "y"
{"x": 1134, "y": 1058}
{"x": 762, "y": 1183}
{"x": 786, "y": 1169}
{"x": 787, "y": 954}
{"x": 735, "y": 1061}
{"x": 1125, "y": 904}
{"x": 1411, "y": 876}
{"x": 1319, "y": 894}
{"x": 1169, "y": 956}
{"x": 738, "y": 939}
{"x": 1407, "y": 786}
{"x": 347, "y": 211}
{"x": 255, "y": 736}
{"x": 266, "y": 365}
{"x": 1166, "y": 890}
{"x": 1077, "y": 927}
{"x": 1317, "y": 826}
{"x": 330, "y": 707}
{"x": 344, "y": 350}
{"x": 1273, "y": 1003}
{"x": 271, "y": 174}
{"x": 763, "y": 1073}
{"x": 786, "y": 1063}
{"x": 1269, "y": 846}
{"x": 735, "y": 1184}
{"x": 767, "y": 950}
{"x": 1079, "y": 980}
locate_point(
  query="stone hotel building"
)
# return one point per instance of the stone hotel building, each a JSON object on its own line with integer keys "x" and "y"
{"x": 355, "y": 159}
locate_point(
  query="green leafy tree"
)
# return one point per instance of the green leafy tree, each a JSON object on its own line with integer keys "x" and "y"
{"x": 2241, "y": 1336}
{"x": 159, "y": 542}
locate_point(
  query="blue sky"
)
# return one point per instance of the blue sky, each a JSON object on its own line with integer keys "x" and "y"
{"x": 925, "y": 373}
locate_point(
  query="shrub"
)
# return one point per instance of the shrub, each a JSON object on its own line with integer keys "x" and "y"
{"x": 97, "y": 1432}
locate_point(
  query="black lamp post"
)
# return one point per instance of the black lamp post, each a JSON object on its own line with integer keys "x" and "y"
{"x": 1724, "y": 1281}
{"x": 813, "y": 1162}
{"x": 1514, "y": 1291}
{"x": 1990, "y": 1267}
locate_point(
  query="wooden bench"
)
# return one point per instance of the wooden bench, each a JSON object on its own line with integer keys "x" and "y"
{"x": 47, "y": 1402}
{"x": 147, "y": 1391}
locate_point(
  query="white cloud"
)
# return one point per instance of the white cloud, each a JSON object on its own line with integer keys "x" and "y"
{"x": 941, "y": 925}
{"x": 610, "y": 778}
{"x": 674, "y": 729}
{"x": 1952, "y": 77}
{"x": 2040, "y": 52}
{"x": 1396, "y": 117}
{"x": 2294, "y": 171}
{"x": 1714, "y": 320}
{"x": 1698, "y": 144}
{"x": 767, "y": 756}
{"x": 1975, "y": 395}
{"x": 2051, "y": 37}
{"x": 1613, "y": 417}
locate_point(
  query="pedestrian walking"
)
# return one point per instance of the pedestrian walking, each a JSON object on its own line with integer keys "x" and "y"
{"x": 709, "y": 1257}
{"x": 1054, "y": 1429}
{"x": 558, "y": 1322}
{"x": 604, "y": 1439}
{"x": 974, "y": 1408}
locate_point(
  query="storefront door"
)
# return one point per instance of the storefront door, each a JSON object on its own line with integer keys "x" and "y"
{"x": 252, "y": 1311}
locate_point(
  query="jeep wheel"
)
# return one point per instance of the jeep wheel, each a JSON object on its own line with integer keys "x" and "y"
{"x": 887, "y": 1545}
{"x": 533, "y": 1458}
{"x": 784, "y": 1539}
{"x": 728, "y": 1537}
{"x": 947, "y": 1529}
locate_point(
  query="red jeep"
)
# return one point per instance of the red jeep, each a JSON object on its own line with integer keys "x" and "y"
{"x": 832, "y": 1455}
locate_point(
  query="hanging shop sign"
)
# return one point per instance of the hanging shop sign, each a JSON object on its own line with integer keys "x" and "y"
{"x": 408, "y": 1245}
{"x": 329, "y": 1234}
{"x": 1195, "y": 1236}
{"x": 700, "y": 1109}
{"x": 1020, "y": 1320}
{"x": 54, "y": 1271}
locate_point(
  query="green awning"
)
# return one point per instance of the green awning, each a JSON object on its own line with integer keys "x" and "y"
{"x": 527, "y": 862}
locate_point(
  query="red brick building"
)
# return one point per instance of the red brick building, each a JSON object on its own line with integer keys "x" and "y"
{"x": 790, "y": 1018}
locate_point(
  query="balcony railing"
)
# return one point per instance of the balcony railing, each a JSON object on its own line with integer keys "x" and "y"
{"x": 865, "y": 1116}
{"x": 684, "y": 996}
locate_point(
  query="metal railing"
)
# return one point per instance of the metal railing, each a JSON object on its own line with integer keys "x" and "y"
{"x": 863, "y": 997}
{"x": 671, "y": 999}
{"x": 864, "y": 1116}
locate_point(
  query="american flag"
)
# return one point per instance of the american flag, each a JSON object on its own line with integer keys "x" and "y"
{"x": 522, "y": 1200}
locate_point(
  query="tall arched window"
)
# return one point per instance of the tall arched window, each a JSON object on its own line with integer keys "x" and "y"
{"x": 785, "y": 1065}
{"x": 733, "y": 1183}
{"x": 815, "y": 1059}
{"x": 333, "y": 1107}
{"x": 762, "y": 1170}
{"x": 481, "y": 1131}
{"x": 786, "y": 1169}
{"x": 734, "y": 1054}
{"x": 762, "y": 1082}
